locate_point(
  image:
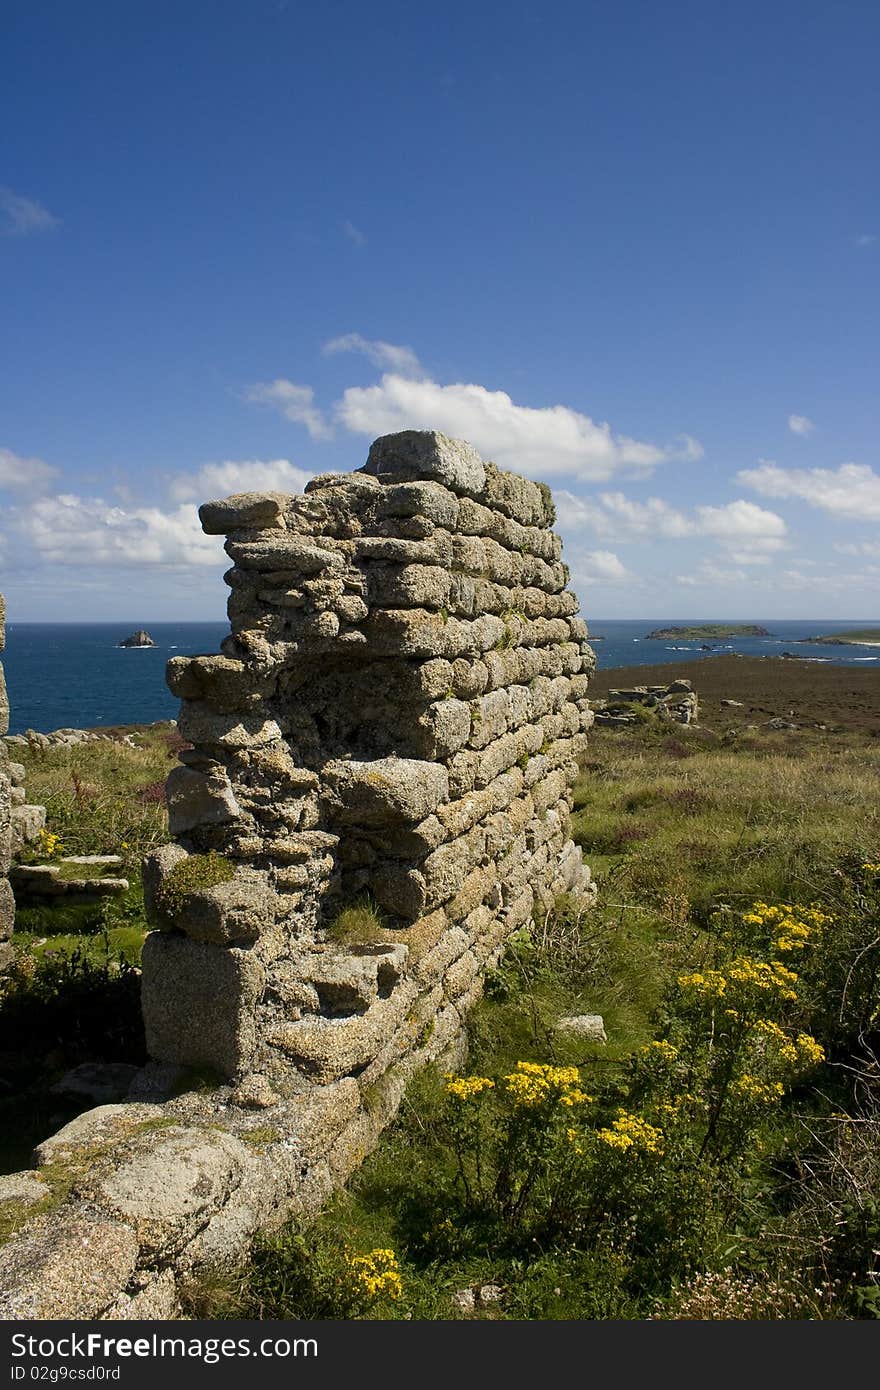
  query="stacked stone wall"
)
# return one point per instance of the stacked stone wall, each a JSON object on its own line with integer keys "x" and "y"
{"x": 395, "y": 717}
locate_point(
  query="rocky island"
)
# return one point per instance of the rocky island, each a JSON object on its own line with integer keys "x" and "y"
{"x": 856, "y": 637}
{"x": 712, "y": 630}
{"x": 137, "y": 639}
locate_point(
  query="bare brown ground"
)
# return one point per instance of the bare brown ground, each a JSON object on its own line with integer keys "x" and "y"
{"x": 807, "y": 693}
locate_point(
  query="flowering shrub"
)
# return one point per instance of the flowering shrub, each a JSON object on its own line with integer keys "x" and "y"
{"x": 376, "y": 1275}
{"x": 49, "y": 845}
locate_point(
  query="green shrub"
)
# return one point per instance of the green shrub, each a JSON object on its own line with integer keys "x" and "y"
{"x": 191, "y": 875}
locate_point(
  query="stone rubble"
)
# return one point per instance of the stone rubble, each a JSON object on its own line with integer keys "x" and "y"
{"x": 676, "y": 702}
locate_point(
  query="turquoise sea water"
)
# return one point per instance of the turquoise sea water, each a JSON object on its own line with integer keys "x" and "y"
{"x": 75, "y": 675}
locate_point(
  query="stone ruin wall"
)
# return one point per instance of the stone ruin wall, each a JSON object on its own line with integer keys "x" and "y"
{"x": 398, "y": 713}
{"x": 7, "y": 902}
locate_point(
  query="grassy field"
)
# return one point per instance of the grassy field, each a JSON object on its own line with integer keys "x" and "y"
{"x": 759, "y": 1200}
{"x": 718, "y": 1157}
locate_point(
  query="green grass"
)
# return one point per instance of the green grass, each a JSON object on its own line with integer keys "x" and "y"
{"x": 678, "y": 827}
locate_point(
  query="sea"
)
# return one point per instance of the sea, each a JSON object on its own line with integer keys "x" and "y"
{"x": 75, "y": 675}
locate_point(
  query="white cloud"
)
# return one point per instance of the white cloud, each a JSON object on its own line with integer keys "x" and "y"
{"x": 354, "y": 233}
{"x": 800, "y": 424}
{"x": 388, "y": 356}
{"x": 72, "y": 530}
{"x": 865, "y": 239}
{"x": 24, "y": 475}
{"x": 294, "y": 402}
{"x": 851, "y": 491}
{"x": 652, "y": 517}
{"x": 599, "y": 567}
{"x": 252, "y": 475}
{"x": 23, "y": 216}
{"x": 749, "y": 532}
{"x": 547, "y": 441}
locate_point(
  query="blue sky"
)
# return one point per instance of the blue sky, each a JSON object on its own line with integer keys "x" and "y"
{"x": 629, "y": 248}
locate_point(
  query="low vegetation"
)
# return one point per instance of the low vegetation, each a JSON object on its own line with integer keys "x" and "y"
{"x": 73, "y": 994}
{"x": 718, "y": 1158}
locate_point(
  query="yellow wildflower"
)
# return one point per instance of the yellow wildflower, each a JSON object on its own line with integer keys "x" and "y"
{"x": 709, "y": 982}
{"x": 754, "y": 1089}
{"x": 809, "y": 1051}
{"x": 534, "y": 1083}
{"x": 466, "y": 1087}
{"x": 376, "y": 1273}
{"x": 766, "y": 976}
{"x": 631, "y": 1132}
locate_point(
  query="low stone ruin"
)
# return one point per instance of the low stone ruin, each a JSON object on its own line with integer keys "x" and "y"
{"x": 394, "y": 723}
{"x": 676, "y": 702}
{"x": 7, "y": 902}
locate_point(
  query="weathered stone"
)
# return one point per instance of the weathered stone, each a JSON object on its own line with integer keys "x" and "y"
{"x": 169, "y": 1184}
{"x": 198, "y": 798}
{"x": 388, "y": 791}
{"x": 259, "y": 510}
{"x": 199, "y": 1003}
{"x": 65, "y": 1265}
{"x": 24, "y": 1189}
{"x": 91, "y": 1132}
{"x": 590, "y": 1027}
{"x": 415, "y": 455}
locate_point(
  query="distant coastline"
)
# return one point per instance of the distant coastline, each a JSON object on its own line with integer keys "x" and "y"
{"x": 856, "y": 637}
{"x": 74, "y": 675}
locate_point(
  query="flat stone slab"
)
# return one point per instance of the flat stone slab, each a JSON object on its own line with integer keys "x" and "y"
{"x": 108, "y": 859}
{"x": 590, "y": 1027}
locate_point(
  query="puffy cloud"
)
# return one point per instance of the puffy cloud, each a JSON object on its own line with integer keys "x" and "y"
{"x": 250, "y": 475}
{"x": 24, "y": 475}
{"x": 545, "y": 441}
{"x": 387, "y": 356}
{"x": 800, "y": 424}
{"x": 599, "y": 567}
{"x": 851, "y": 491}
{"x": 295, "y": 402}
{"x": 652, "y": 517}
{"x": 72, "y": 530}
{"x": 23, "y": 216}
{"x": 748, "y": 531}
